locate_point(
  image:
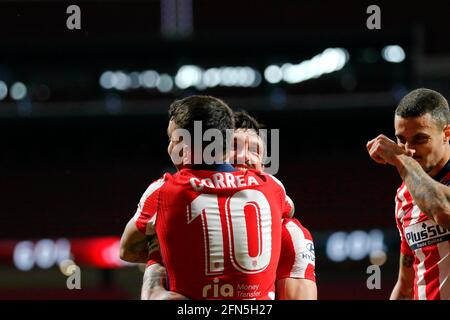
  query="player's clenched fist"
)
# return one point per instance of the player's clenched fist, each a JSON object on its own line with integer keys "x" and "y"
{"x": 383, "y": 150}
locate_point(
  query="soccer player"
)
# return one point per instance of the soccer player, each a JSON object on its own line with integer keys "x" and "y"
{"x": 295, "y": 272}
{"x": 219, "y": 229}
{"x": 421, "y": 156}
{"x": 296, "y": 268}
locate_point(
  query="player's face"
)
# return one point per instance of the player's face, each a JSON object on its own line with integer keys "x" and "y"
{"x": 248, "y": 150}
{"x": 422, "y": 135}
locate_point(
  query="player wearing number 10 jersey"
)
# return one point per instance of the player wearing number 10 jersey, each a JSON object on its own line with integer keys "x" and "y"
{"x": 219, "y": 229}
{"x": 295, "y": 272}
{"x": 221, "y": 238}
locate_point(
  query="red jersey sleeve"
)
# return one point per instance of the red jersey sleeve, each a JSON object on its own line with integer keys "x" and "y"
{"x": 297, "y": 259}
{"x": 146, "y": 213}
{"x": 287, "y": 204}
{"x": 404, "y": 247}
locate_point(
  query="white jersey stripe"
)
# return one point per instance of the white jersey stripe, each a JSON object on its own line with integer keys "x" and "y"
{"x": 415, "y": 214}
{"x": 444, "y": 267}
{"x": 301, "y": 251}
{"x": 401, "y": 196}
{"x": 421, "y": 285}
{"x": 151, "y": 188}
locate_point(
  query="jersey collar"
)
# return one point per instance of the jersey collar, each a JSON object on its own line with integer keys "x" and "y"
{"x": 441, "y": 174}
{"x": 222, "y": 167}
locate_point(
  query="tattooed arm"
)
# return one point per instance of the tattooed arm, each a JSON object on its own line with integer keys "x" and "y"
{"x": 432, "y": 197}
{"x": 133, "y": 244}
{"x": 403, "y": 289}
{"x": 154, "y": 285}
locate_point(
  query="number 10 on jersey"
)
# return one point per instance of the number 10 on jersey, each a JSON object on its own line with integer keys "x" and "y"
{"x": 244, "y": 232}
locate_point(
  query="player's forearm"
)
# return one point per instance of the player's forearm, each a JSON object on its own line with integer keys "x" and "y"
{"x": 431, "y": 197}
{"x": 401, "y": 292}
{"x": 296, "y": 289}
{"x": 403, "y": 289}
{"x": 136, "y": 252}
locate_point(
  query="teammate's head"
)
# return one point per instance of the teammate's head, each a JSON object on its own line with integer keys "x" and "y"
{"x": 248, "y": 147}
{"x": 421, "y": 123}
{"x": 212, "y": 112}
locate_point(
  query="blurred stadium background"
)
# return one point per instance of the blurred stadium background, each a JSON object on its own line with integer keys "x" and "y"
{"x": 83, "y": 119}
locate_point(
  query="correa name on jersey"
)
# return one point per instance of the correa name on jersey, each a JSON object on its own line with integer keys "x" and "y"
{"x": 223, "y": 180}
{"x": 425, "y": 233}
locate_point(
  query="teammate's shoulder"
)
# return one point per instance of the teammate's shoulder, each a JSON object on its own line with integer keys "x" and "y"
{"x": 293, "y": 221}
{"x": 294, "y": 225}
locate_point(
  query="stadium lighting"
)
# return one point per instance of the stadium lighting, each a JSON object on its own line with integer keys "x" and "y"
{"x": 123, "y": 81}
{"x": 257, "y": 80}
{"x": 273, "y": 74}
{"x": 149, "y": 78}
{"x": 134, "y": 80}
{"x": 188, "y": 76}
{"x": 18, "y": 91}
{"x": 355, "y": 245}
{"x": 247, "y": 77}
{"x": 3, "y": 90}
{"x": 330, "y": 60}
{"x": 165, "y": 83}
{"x": 335, "y": 248}
{"x": 108, "y": 80}
{"x": 45, "y": 253}
{"x": 211, "y": 77}
{"x": 194, "y": 76}
{"x": 227, "y": 77}
{"x": 23, "y": 256}
{"x": 394, "y": 54}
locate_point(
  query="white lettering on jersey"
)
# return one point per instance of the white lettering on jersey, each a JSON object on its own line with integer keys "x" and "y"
{"x": 425, "y": 234}
{"x": 223, "y": 180}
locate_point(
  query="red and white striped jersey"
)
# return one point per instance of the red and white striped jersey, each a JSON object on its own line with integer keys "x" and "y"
{"x": 219, "y": 231}
{"x": 297, "y": 258}
{"x": 427, "y": 242}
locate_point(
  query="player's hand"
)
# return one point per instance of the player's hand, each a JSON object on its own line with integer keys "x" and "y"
{"x": 385, "y": 151}
{"x": 170, "y": 295}
{"x": 154, "y": 285}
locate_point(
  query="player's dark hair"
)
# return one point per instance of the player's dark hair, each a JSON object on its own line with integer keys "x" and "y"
{"x": 212, "y": 112}
{"x": 421, "y": 101}
{"x": 243, "y": 120}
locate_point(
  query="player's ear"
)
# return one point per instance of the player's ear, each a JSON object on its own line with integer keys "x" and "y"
{"x": 187, "y": 155}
